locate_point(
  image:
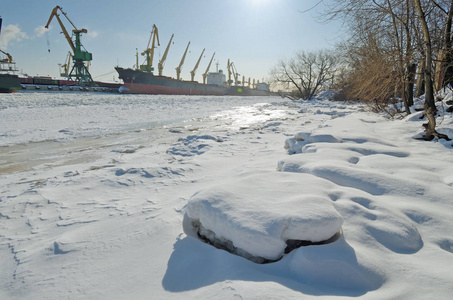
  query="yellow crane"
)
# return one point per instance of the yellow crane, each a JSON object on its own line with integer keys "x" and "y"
{"x": 205, "y": 74}
{"x": 160, "y": 65}
{"x": 79, "y": 56}
{"x": 10, "y": 58}
{"x": 149, "y": 52}
{"x": 192, "y": 73}
{"x": 178, "y": 68}
{"x": 66, "y": 65}
{"x": 232, "y": 70}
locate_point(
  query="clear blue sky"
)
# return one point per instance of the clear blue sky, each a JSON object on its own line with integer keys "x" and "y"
{"x": 254, "y": 34}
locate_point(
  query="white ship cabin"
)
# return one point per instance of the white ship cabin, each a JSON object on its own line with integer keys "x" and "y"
{"x": 261, "y": 86}
{"x": 216, "y": 78}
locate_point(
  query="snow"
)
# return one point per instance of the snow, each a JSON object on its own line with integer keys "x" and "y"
{"x": 101, "y": 197}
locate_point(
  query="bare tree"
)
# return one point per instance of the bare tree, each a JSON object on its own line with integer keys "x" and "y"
{"x": 444, "y": 66}
{"x": 380, "y": 28}
{"x": 387, "y": 39}
{"x": 305, "y": 73}
{"x": 373, "y": 78}
{"x": 430, "y": 105}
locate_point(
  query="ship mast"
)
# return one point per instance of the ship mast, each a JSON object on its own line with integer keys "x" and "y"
{"x": 192, "y": 73}
{"x": 207, "y": 69}
{"x": 160, "y": 65}
{"x": 149, "y": 52}
{"x": 178, "y": 68}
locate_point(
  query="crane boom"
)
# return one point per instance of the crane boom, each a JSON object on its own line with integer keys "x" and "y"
{"x": 149, "y": 52}
{"x": 232, "y": 70}
{"x": 178, "y": 68}
{"x": 66, "y": 65}
{"x": 79, "y": 56}
{"x": 160, "y": 65}
{"x": 192, "y": 73}
{"x": 205, "y": 74}
{"x": 54, "y": 13}
{"x": 10, "y": 58}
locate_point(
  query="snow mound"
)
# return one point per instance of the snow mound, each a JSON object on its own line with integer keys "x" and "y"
{"x": 150, "y": 172}
{"x": 395, "y": 232}
{"x": 374, "y": 167}
{"x": 258, "y": 215}
{"x": 295, "y": 144}
{"x": 193, "y": 145}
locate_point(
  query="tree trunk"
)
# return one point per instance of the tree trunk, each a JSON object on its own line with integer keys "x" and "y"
{"x": 411, "y": 69}
{"x": 430, "y": 106}
{"x": 420, "y": 82}
{"x": 448, "y": 68}
{"x": 439, "y": 71}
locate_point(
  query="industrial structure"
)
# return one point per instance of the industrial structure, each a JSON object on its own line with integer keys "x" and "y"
{"x": 80, "y": 56}
{"x": 142, "y": 80}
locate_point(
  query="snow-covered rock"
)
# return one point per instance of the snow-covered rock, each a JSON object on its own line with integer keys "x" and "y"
{"x": 258, "y": 214}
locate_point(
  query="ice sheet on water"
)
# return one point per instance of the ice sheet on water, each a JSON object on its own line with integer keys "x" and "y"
{"x": 41, "y": 116}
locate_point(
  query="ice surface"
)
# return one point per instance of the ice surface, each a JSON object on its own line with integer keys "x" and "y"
{"x": 60, "y": 116}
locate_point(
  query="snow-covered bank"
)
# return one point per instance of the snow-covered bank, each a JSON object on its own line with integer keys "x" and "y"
{"x": 100, "y": 216}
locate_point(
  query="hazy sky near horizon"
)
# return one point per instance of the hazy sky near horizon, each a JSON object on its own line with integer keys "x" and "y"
{"x": 254, "y": 34}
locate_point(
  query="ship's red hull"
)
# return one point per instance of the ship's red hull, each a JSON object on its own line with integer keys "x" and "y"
{"x": 138, "y": 88}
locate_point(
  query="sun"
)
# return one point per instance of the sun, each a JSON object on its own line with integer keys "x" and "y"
{"x": 259, "y": 2}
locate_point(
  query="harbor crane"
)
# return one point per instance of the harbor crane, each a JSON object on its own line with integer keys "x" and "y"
{"x": 66, "y": 65}
{"x": 205, "y": 74}
{"x": 160, "y": 65}
{"x": 232, "y": 70}
{"x": 79, "y": 70}
{"x": 178, "y": 68}
{"x": 192, "y": 73}
{"x": 149, "y": 52}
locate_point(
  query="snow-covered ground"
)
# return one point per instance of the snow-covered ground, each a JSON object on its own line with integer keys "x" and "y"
{"x": 101, "y": 197}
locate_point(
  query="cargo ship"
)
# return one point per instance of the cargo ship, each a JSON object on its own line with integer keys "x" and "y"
{"x": 9, "y": 82}
{"x": 142, "y": 80}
